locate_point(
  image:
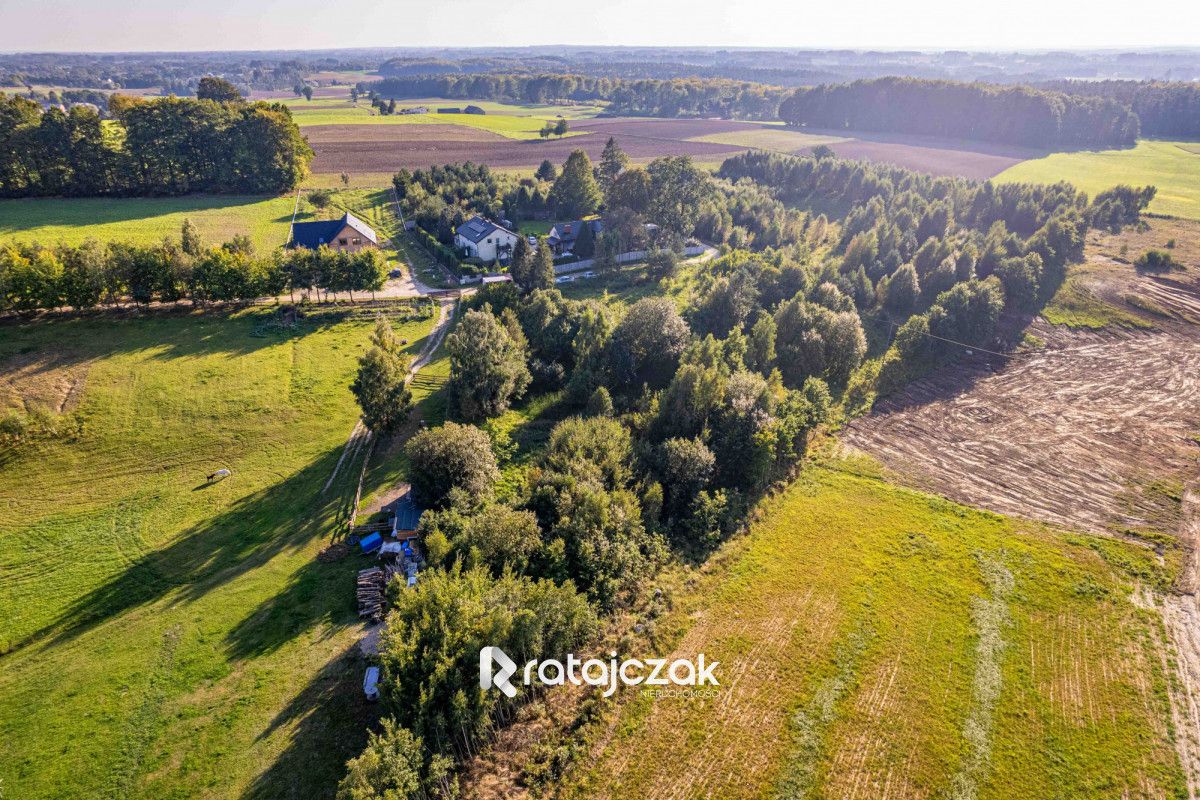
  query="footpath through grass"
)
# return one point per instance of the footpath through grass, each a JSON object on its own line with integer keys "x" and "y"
{"x": 147, "y": 220}
{"x": 1174, "y": 167}
{"x": 159, "y": 636}
{"x": 875, "y": 642}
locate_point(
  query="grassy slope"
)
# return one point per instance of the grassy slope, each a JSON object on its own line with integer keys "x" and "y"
{"x": 164, "y": 639}
{"x": 1170, "y": 166}
{"x": 146, "y": 220}
{"x": 855, "y": 626}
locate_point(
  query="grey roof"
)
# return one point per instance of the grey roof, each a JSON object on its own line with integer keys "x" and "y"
{"x": 315, "y": 234}
{"x": 568, "y": 232}
{"x": 478, "y": 227}
{"x": 407, "y": 514}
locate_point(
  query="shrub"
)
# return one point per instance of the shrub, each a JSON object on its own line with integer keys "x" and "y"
{"x": 448, "y": 457}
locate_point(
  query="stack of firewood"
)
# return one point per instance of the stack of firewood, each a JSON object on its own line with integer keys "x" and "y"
{"x": 370, "y": 593}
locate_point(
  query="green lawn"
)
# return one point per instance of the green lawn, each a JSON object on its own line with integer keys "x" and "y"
{"x": 146, "y": 220}
{"x": 870, "y": 636}
{"x": 162, "y": 637}
{"x": 1174, "y": 167}
{"x": 513, "y": 121}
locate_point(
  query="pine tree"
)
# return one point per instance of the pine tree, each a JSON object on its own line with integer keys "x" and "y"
{"x": 612, "y": 161}
{"x": 542, "y": 273}
{"x": 519, "y": 265}
{"x": 576, "y": 193}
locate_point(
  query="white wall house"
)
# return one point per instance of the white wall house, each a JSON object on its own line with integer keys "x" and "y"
{"x": 483, "y": 239}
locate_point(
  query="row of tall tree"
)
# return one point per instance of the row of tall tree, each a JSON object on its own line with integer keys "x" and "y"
{"x": 1018, "y": 115}
{"x": 166, "y": 146}
{"x": 680, "y": 97}
{"x": 91, "y": 274}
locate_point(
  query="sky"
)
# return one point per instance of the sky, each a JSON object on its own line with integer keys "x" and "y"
{"x": 120, "y": 25}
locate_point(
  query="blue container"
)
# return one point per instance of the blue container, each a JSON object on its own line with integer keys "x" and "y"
{"x": 371, "y": 543}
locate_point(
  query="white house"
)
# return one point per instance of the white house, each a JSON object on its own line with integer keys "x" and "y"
{"x": 483, "y": 239}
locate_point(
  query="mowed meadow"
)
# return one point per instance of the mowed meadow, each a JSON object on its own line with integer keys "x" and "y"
{"x": 876, "y": 642}
{"x": 161, "y": 636}
{"x": 1173, "y": 167}
{"x": 143, "y": 221}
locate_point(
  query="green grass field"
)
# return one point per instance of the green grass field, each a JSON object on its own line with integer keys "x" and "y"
{"x": 876, "y": 641}
{"x": 161, "y": 637}
{"x": 513, "y": 121}
{"x": 1174, "y": 167}
{"x": 147, "y": 220}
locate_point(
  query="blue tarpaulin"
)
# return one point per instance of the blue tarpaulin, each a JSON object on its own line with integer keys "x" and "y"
{"x": 371, "y": 542}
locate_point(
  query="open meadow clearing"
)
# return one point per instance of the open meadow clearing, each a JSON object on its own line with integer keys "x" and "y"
{"x": 509, "y": 120}
{"x": 1174, "y": 167}
{"x": 162, "y": 636}
{"x": 143, "y": 221}
{"x": 880, "y": 643}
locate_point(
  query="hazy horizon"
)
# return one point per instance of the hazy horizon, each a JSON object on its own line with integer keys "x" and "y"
{"x": 114, "y": 26}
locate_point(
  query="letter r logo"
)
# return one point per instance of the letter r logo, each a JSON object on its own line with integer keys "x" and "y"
{"x": 488, "y": 655}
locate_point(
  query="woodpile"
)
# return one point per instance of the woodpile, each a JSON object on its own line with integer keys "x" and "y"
{"x": 370, "y": 589}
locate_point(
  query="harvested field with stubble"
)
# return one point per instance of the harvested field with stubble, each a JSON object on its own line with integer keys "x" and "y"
{"x": 876, "y": 642}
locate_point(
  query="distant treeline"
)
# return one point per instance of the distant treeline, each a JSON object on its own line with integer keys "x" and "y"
{"x": 168, "y": 146}
{"x": 33, "y": 277}
{"x": 1166, "y": 109}
{"x": 1018, "y": 115}
{"x": 693, "y": 97}
{"x": 178, "y": 73}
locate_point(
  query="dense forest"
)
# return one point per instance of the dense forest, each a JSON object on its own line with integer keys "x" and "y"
{"x": 1167, "y": 110}
{"x": 166, "y": 146}
{"x": 1016, "y": 115}
{"x": 676, "y": 420}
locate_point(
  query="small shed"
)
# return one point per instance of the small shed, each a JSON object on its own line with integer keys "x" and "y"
{"x": 371, "y": 683}
{"x": 371, "y": 542}
{"x": 406, "y": 515}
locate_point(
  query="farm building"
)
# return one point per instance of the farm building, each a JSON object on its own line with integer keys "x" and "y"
{"x": 563, "y": 235}
{"x": 483, "y": 239}
{"x": 406, "y": 515}
{"x": 349, "y": 233}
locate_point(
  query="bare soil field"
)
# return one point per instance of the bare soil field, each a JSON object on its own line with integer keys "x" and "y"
{"x": 1089, "y": 430}
{"x": 382, "y": 148}
{"x": 1082, "y": 432}
{"x": 935, "y": 160}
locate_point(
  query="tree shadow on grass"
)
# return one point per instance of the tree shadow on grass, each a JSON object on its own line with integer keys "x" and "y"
{"x": 163, "y": 332}
{"x": 78, "y": 212}
{"x": 331, "y": 719}
{"x": 243, "y": 537}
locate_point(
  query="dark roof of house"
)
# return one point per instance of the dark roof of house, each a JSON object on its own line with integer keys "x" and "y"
{"x": 478, "y": 227}
{"x": 315, "y": 234}
{"x": 567, "y": 232}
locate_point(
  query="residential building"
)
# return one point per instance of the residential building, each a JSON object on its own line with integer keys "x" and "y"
{"x": 349, "y": 233}
{"x": 563, "y": 235}
{"x": 481, "y": 238}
